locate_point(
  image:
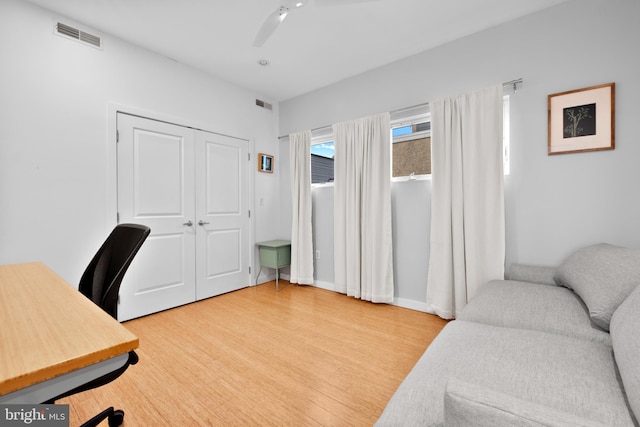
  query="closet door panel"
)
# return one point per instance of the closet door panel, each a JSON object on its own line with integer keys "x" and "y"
{"x": 156, "y": 188}
{"x": 222, "y": 209}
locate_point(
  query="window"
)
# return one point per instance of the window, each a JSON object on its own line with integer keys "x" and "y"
{"x": 506, "y": 137}
{"x": 322, "y": 155}
{"x": 411, "y": 147}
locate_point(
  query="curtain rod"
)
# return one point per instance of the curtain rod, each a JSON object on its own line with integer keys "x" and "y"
{"x": 513, "y": 83}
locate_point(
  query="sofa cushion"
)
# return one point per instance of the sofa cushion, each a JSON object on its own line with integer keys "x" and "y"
{"x": 567, "y": 374}
{"x": 533, "y": 306}
{"x": 532, "y": 273}
{"x": 603, "y": 276}
{"x": 625, "y": 336}
{"x": 467, "y": 404}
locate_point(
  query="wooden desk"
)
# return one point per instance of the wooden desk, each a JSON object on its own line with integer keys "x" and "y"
{"x": 52, "y": 336}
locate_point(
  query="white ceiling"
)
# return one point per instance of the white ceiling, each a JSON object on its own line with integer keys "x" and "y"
{"x": 313, "y": 47}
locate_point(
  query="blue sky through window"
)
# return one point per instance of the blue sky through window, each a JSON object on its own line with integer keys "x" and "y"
{"x": 326, "y": 149}
{"x": 404, "y": 130}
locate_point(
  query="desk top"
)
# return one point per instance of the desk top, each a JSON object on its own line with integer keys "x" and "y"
{"x": 274, "y": 243}
{"x": 48, "y": 328}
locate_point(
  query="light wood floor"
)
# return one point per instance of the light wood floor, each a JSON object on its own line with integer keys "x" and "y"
{"x": 302, "y": 356}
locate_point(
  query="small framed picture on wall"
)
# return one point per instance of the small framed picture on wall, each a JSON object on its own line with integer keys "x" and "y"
{"x": 265, "y": 163}
{"x": 582, "y": 120}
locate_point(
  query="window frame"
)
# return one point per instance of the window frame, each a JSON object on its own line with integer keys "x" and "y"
{"x": 411, "y": 120}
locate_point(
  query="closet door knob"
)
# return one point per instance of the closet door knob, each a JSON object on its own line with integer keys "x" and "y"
{"x": 201, "y": 222}
{"x": 188, "y": 223}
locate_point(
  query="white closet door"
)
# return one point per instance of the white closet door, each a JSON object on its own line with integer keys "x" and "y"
{"x": 222, "y": 212}
{"x": 156, "y": 188}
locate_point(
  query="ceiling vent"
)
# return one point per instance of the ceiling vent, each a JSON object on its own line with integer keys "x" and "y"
{"x": 79, "y": 35}
{"x": 263, "y": 104}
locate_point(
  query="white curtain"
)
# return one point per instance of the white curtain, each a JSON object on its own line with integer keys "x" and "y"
{"x": 363, "y": 262}
{"x": 301, "y": 269}
{"x": 467, "y": 204}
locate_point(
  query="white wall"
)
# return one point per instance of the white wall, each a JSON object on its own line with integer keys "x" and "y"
{"x": 554, "y": 204}
{"x": 56, "y": 179}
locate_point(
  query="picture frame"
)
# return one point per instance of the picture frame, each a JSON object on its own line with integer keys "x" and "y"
{"x": 582, "y": 120}
{"x": 265, "y": 163}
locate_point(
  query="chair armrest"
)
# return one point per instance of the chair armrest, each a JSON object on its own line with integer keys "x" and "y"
{"x": 532, "y": 273}
{"x": 467, "y": 405}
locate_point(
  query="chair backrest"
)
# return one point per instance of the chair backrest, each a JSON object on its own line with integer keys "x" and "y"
{"x": 101, "y": 280}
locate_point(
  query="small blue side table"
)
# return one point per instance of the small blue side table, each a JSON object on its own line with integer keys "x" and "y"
{"x": 274, "y": 254}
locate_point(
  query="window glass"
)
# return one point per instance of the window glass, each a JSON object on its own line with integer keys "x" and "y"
{"x": 404, "y": 130}
{"x": 411, "y": 158}
{"x": 322, "y": 155}
{"x": 506, "y": 137}
{"x": 411, "y": 150}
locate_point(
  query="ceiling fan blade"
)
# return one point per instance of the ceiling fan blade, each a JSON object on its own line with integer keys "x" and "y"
{"x": 270, "y": 25}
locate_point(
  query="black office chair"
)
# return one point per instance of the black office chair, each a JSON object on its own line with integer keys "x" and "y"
{"x": 100, "y": 283}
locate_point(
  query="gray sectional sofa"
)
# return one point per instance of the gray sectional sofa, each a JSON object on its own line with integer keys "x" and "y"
{"x": 548, "y": 347}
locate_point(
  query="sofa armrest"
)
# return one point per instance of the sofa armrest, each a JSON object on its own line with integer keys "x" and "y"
{"x": 532, "y": 273}
{"x": 468, "y": 404}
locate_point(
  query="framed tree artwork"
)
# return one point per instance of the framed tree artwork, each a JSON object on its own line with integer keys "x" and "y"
{"x": 582, "y": 120}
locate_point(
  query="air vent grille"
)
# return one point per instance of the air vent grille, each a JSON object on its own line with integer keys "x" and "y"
{"x": 263, "y": 104}
{"x": 74, "y": 33}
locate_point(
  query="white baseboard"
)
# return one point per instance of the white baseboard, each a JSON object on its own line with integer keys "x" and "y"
{"x": 410, "y": 304}
{"x": 400, "y": 302}
{"x": 324, "y": 285}
{"x": 264, "y": 278}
